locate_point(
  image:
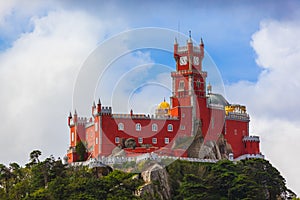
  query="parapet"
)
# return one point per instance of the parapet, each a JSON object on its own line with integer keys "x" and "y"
{"x": 251, "y": 139}
{"x": 106, "y": 110}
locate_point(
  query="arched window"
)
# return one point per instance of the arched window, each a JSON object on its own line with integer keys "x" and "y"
{"x": 117, "y": 140}
{"x": 138, "y": 127}
{"x": 121, "y": 127}
{"x": 170, "y": 127}
{"x": 154, "y": 127}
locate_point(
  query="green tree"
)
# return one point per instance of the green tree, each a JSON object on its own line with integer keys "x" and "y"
{"x": 5, "y": 178}
{"x": 81, "y": 151}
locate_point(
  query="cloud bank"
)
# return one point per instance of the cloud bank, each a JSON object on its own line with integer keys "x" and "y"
{"x": 273, "y": 101}
{"x": 37, "y": 75}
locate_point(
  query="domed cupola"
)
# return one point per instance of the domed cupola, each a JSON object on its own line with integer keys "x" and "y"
{"x": 163, "y": 109}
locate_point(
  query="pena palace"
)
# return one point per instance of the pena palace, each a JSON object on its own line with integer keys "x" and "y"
{"x": 192, "y": 103}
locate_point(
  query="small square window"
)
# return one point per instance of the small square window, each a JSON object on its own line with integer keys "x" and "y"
{"x": 182, "y": 127}
{"x": 140, "y": 140}
{"x": 154, "y": 140}
{"x": 167, "y": 141}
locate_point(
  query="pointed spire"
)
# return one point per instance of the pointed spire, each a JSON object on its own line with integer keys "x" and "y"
{"x": 94, "y": 105}
{"x": 70, "y": 115}
{"x": 175, "y": 42}
{"x": 201, "y": 42}
{"x": 99, "y": 102}
{"x": 190, "y": 37}
{"x": 164, "y": 99}
{"x": 75, "y": 113}
{"x": 209, "y": 88}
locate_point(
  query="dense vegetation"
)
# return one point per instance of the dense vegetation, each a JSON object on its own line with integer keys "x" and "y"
{"x": 51, "y": 179}
{"x": 247, "y": 179}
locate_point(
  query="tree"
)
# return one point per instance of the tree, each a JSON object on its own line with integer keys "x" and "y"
{"x": 34, "y": 157}
{"x": 5, "y": 176}
{"x": 81, "y": 151}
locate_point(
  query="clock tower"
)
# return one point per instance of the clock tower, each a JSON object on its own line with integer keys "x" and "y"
{"x": 189, "y": 81}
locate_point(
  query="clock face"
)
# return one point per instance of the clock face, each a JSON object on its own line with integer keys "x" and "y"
{"x": 183, "y": 60}
{"x": 196, "y": 60}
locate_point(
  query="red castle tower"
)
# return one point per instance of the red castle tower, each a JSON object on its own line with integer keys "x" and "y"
{"x": 192, "y": 103}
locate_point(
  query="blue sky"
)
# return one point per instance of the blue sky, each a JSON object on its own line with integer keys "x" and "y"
{"x": 45, "y": 44}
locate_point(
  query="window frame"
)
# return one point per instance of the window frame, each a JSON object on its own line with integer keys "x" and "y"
{"x": 170, "y": 127}
{"x": 138, "y": 127}
{"x": 167, "y": 140}
{"x": 117, "y": 140}
{"x": 154, "y": 127}
{"x": 154, "y": 140}
{"x": 120, "y": 126}
{"x": 140, "y": 140}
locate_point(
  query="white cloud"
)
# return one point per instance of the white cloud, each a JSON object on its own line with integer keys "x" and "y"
{"x": 37, "y": 75}
{"x": 273, "y": 101}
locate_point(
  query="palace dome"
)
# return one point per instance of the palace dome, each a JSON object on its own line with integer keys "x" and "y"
{"x": 217, "y": 99}
{"x": 163, "y": 105}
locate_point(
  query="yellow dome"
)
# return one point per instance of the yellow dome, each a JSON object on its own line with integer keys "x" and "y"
{"x": 164, "y": 105}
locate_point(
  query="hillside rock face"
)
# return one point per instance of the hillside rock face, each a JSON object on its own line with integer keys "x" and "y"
{"x": 202, "y": 149}
{"x": 156, "y": 183}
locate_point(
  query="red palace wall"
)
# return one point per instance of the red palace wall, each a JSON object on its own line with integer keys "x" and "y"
{"x": 110, "y": 131}
{"x": 234, "y": 133}
{"x": 252, "y": 147}
{"x": 216, "y": 124}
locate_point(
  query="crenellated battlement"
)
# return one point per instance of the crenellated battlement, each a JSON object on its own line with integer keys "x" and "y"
{"x": 188, "y": 72}
{"x": 106, "y": 110}
{"x": 143, "y": 116}
{"x": 251, "y": 139}
{"x": 237, "y": 116}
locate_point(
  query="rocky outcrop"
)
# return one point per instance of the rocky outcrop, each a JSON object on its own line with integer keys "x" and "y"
{"x": 118, "y": 151}
{"x": 208, "y": 149}
{"x": 156, "y": 183}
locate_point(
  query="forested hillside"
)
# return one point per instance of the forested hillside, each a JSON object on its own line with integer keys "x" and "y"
{"x": 50, "y": 179}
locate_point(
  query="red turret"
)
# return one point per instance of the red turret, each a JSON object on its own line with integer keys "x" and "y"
{"x": 201, "y": 53}
{"x": 99, "y": 106}
{"x": 69, "y": 119}
{"x": 190, "y": 51}
{"x": 93, "y": 108}
{"x": 75, "y": 117}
